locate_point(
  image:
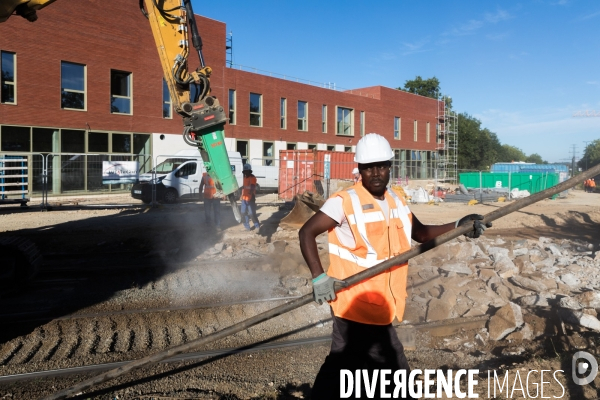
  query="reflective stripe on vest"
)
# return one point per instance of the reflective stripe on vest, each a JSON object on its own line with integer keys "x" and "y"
{"x": 346, "y": 254}
{"x": 360, "y": 223}
{"x": 401, "y": 211}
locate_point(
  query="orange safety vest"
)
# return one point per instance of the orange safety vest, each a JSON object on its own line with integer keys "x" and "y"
{"x": 209, "y": 186}
{"x": 247, "y": 191}
{"x": 586, "y": 182}
{"x": 593, "y": 183}
{"x": 381, "y": 298}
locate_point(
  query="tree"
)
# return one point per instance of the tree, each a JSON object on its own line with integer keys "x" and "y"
{"x": 591, "y": 155}
{"x": 535, "y": 158}
{"x": 478, "y": 148}
{"x": 424, "y": 87}
{"x": 512, "y": 153}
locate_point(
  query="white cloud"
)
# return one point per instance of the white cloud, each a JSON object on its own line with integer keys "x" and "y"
{"x": 499, "y": 15}
{"x": 497, "y": 36}
{"x": 593, "y": 15}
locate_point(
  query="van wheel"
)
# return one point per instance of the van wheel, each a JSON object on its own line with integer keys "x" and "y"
{"x": 170, "y": 196}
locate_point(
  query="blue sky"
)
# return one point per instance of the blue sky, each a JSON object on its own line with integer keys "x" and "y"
{"x": 522, "y": 68}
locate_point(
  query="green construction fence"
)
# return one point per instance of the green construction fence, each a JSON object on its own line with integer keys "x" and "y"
{"x": 531, "y": 181}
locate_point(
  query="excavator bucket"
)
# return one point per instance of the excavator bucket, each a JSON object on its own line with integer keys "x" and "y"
{"x": 306, "y": 205}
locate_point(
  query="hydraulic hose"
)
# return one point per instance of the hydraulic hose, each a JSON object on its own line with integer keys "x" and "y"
{"x": 257, "y": 319}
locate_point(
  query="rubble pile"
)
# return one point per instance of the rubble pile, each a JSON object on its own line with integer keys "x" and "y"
{"x": 521, "y": 284}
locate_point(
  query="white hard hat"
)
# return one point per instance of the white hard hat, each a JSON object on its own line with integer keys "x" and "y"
{"x": 373, "y": 148}
{"x": 355, "y": 171}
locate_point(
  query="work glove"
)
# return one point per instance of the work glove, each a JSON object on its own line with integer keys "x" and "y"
{"x": 323, "y": 288}
{"x": 478, "y": 227}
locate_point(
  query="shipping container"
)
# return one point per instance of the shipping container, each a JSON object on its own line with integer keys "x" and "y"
{"x": 301, "y": 170}
{"x": 533, "y": 182}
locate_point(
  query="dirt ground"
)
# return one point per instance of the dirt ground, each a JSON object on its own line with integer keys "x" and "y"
{"x": 80, "y": 225}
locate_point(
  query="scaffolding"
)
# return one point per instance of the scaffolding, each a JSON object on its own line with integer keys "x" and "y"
{"x": 446, "y": 143}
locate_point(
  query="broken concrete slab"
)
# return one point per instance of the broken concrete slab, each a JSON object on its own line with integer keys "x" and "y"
{"x": 569, "y": 303}
{"x": 505, "y": 321}
{"x": 589, "y": 299}
{"x": 438, "y": 310}
{"x": 528, "y": 284}
{"x": 459, "y": 268}
{"x": 580, "y": 318}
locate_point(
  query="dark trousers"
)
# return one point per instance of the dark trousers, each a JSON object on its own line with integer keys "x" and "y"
{"x": 358, "y": 346}
{"x": 212, "y": 209}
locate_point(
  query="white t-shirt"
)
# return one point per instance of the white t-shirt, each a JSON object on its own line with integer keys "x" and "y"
{"x": 334, "y": 210}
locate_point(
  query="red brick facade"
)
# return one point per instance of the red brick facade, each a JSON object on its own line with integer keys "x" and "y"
{"x": 113, "y": 34}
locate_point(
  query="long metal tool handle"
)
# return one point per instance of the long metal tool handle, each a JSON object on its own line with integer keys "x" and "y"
{"x": 234, "y": 207}
{"x": 402, "y": 258}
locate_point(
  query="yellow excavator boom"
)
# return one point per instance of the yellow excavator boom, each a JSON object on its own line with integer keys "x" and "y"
{"x": 25, "y": 8}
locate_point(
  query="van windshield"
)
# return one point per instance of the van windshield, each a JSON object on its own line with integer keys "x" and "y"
{"x": 170, "y": 165}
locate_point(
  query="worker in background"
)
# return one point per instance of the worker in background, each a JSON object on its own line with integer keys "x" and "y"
{"x": 356, "y": 176}
{"x": 248, "y": 207}
{"x": 586, "y": 185}
{"x": 367, "y": 224}
{"x": 212, "y": 203}
{"x": 592, "y": 185}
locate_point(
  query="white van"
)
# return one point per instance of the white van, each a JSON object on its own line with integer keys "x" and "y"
{"x": 179, "y": 176}
{"x": 267, "y": 178}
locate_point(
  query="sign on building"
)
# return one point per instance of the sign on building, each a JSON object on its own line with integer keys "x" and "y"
{"x": 116, "y": 172}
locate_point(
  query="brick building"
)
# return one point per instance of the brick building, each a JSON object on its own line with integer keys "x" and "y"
{"x": 86, "y": 78}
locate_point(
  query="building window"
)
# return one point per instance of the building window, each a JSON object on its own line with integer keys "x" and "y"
{"x": 121, "y": 143}
{"x": 255, "y": 109}
{"x": 438, "y": 134}
{"x": 268, "y": 151}
{"x": 348, "y": 149}
{"x": 397, "y": 124}
{"x": 427, "y": 136}
{"x": 167, "y": 108}
{"x": 330, "y": 147}
{"x": 120, "y": 92}
{"x": 312, "y": 146}
{"x": 302, "y": 116}
{"x": 324, "y": 119}
{"x": 72, "y": 86}
{"x": 241, "y": 146}
{"x": 283, "y": 113}
{"x": 15, "y": 138}
{"x": 291, "y": 146}
{"x": 344, "y": 121}
{"x": 415, "y": 131}
{"x": 231, "y": 107}
{"x": 362, "y": 123}
{"x": 8, "y": 94}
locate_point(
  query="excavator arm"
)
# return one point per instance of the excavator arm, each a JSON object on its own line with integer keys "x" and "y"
{"x": 172, "y": 23}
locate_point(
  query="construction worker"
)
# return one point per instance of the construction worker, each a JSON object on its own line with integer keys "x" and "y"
{"x": 212, "y": 203}
{"x": 249, "y": 198}
{"x": 356, "y": 176}
{"x": 592, "y": 185}
{"x": 586, "y": 185}
{"x": 367, "y": 224}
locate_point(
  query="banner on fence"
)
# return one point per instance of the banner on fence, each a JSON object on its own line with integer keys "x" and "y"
{"x": 116, "y": 172}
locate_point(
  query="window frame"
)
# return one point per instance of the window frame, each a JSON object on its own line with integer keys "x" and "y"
{"x": 337, "y": 124}
{"x": 283, "y": 113}
{"x": 330, "y": 147}
{"x": 398, "y": 128}
{"x": 12, "y": 83}
{"x": 294, "y": 144}
{"x": 427, "y": 136}
{"x": 324, "y": 118}
{"x": 232, "y": 107}
{"x": 305, "y": 119}
{"x": 130, "y": 90}
{"x": 247, "y": 145}
{"x": 266, "y": 158}
{"x": 63, "y": 89}
{"x": 259, "y": 113}
{"x": 362, "y": 124}
{"x": 347, "y": 149}
{"x": 416, "y": 127}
